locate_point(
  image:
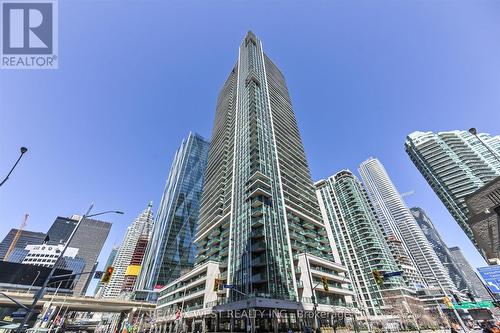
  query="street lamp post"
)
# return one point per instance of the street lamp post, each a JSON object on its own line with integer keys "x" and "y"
{"x": 473, "y": 131}
{"x": 40, "y": 293}
{"x": 23, "y": 150}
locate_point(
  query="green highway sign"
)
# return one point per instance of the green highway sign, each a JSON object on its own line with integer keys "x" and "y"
{"x": 474, "y": 305}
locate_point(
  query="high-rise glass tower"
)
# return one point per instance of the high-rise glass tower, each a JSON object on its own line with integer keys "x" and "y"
{"x": 474, "y": 284}
{"x": 439, "y": 246}
{"x": 171, "y": 249}
{"x": 25, "y": 237}
{"x": 138, "y": 230}
{"x": 260, "y": 227}
{"x": 259, "y": 209}
{"x": 359, "y": 237}
{"x": 88, "y": 239}
{"x": 455, "y": 164}
{"x": 399, "y": 222}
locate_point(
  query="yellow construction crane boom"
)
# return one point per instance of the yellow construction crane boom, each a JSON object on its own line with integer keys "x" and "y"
{"x": 16, "y": 237}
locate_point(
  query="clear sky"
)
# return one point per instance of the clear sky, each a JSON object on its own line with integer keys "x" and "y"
{"x": 135, "y": 77}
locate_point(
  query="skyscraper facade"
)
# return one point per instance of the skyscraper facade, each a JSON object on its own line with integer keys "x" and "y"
{"x": 359, "y": 237}
{"x": 139, "y": 230}
{"x": 88, "y": 239}
{"x": 61, "y": 229}
{"x": 474, "y": 284}
{"x": 399, "y": 222}
{"x": 439, "y": 246}
{"x": 171, "y": 250}
{"x": 26, "y": 237}
{"x": 455, "y": 164}
{"x": 259, "y": 193}
{"x": 260, "y": 229}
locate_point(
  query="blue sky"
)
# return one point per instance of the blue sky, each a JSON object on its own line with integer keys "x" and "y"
{"x": 135, "y": 77}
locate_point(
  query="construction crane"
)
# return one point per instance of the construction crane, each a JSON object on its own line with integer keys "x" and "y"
{"x": 16, "y": 236}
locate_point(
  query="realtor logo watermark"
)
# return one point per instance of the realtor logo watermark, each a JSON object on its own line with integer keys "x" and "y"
{"x": 28, "y": 34}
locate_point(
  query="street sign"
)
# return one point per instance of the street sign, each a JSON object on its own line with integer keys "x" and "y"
{"x": 18, "y": 314}
{"x": 474, "y": 305}
{"x": 391, "y": 274}
{"x": 491, "y": 275}
{"x": 228, "y": 286}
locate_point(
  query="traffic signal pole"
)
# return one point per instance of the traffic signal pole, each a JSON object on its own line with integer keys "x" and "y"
{"x": 313, "y": 295}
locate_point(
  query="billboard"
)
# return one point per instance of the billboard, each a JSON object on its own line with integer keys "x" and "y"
{"x": 491, "y": 275}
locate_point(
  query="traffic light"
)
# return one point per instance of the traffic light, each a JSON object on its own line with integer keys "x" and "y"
{"x": 447, "y": 302}
{"x": 471, "y": 297}
{"x": 324, "y": 280}
{"x": 378, "y": 276}
{"x": 457, "y": 299}
{"x": 107, "y": 274}
{"x": 217, "y": 283}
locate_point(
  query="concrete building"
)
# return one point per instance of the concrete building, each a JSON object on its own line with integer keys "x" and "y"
{"x": 260, "y": 227}
{"x": 399, "y": 222}
{"x": 88, "y": 239}
{"x": 47, "y": 255}
{"x": 455, "y": 164}
{"x": 484, "y": 219}
{"x": 195, "y": 298}
{"x": 362, "y": 244}
{"x": 473, "y": 282}
{"x": 139, "y": 230}
{"x": 26, "y": 237}
{"x": 171, "y": 250}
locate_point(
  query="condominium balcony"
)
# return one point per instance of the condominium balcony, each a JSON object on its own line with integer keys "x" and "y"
{"x": 257, "y": 222}
{"x": 257, "y": 212}
{"x": 259, "y": 278}
{"x": 259, "y": 233}
{"x": 256, "y": 202}
{"x": 260, "y": 261}
{"x": 259, "y": 247}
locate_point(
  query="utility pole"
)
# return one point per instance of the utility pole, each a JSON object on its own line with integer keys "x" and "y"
{"x": 313, "y": 294}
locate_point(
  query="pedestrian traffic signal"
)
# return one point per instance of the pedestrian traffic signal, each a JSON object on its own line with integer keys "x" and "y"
{"x": 457, "y": 299}
{"x": 378, "y": 276}
{"x": 324, "y": 280}
{"x": 217, "y": 283}
{"x": 107, "y": 274}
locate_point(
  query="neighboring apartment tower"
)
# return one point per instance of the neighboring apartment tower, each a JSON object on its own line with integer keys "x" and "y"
{"x": 88, "y": 239}
{"x": 455, "y": 164}
{"x": 360, "y": 239}
{"x": 171, "y": 250}
{"x": 439, "y": 246}
{"x": 474, "y": 283}
{"x": 140, "y": 229}
{"x": 26, "y": 237}
{"x": 398, "y": 221}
